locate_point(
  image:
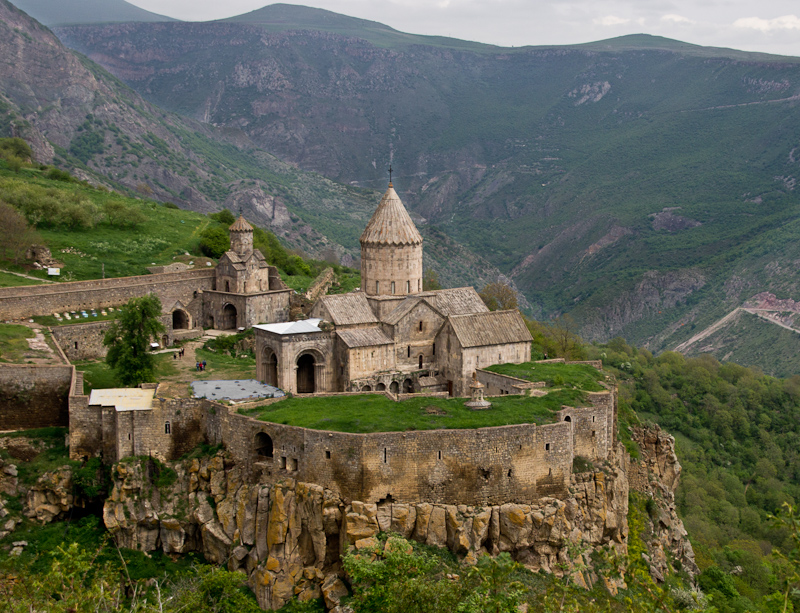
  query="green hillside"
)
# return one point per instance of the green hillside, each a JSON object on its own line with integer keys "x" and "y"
{"x": 68, "y": 12}
{"x": 640, "y": 184}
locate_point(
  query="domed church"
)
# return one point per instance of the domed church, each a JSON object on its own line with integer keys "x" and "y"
{"x": 390, "y": 335}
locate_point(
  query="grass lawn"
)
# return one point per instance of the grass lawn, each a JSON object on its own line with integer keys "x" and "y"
{"x": 98, "y": 375}
{"x": 225, "y": 366}
{"x": 13, "y": 342}
{"x": 9, "y": 280}
{"x": 580, "y": 376}
{"x": 376, "y": 413}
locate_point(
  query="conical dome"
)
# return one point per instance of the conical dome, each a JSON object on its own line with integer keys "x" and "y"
{"x": 391, "y": 223}
{"x": 240, "y": 225}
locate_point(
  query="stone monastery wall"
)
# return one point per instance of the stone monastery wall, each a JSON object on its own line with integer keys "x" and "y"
{"x": 27, "y": 301}
{"x": 34, "y": 396}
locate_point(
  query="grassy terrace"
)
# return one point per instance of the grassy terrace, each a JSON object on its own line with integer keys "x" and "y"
{"x": 376, "y": 413}
{"x": 578, "y": 376}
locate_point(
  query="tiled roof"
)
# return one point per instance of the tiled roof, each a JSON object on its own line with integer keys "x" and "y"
{"x": 240, "y": 225}
{"x": 456, "y": 301}
{"x": 364, "y": 337}
{"x": 491, "y": 328}
{"x": 391, "y": 224}
{"x": 349, "y": 309}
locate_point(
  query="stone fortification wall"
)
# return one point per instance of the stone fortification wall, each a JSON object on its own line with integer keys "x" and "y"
{"x": 33, "y": 396}
{"x": 483, "y": 466}
{"x": 85, "y": 341}
{"x": 321, "y": 285}
{"x": 499, "y": 385}
{"x": 592, "y": 426}
{"x": 17, "y": 302}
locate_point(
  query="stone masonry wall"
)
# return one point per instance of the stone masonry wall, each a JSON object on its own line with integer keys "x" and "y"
{"x": 85, "y": 341}
{"x": 20, "y": 302}
{"x": 33, "y": 396}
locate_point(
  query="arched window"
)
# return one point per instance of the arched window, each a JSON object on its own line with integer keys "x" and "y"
{"x": 408, "y": 287}
{"x": 392, "y": 287}
{"x": 167, "y": 427}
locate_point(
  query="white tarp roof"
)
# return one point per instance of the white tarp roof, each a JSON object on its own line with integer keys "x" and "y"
{"x": 304, "y": 326}
{"x": 123, "y": 399}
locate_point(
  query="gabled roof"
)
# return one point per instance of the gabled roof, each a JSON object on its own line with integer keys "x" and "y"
{"x": 240, "y": 263}
{"x": 364, "y": 337}
{"x": 304, "y": 326}
{"x": 391, "y": 224}
{"x": 491, "y": 328}
{"x": 349, "y": 309}
{"x": 455, "y": 301}
{"x": 240, "y": 225}
{"x": 404, "y": 308}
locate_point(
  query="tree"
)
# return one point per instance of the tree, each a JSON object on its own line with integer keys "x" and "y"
{"x": 128, "y": 340}
{"x": 430, "y": 280}
{"x": 224, "y": 217}
{"x": 214, "y": 242}
{"x": 15, "y": 233}
{"x": 499, "y": 297}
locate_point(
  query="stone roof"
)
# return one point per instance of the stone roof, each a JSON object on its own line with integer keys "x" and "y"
{"x": 240, "y": 225}
{"x": 491, "y": 328}
{"x": 403, "y": 309}
{"x": 391, "y": 224}
{"x": 455, "y": 301}
{"x": 364, "y": 337}
{"x": 349, "y": 309}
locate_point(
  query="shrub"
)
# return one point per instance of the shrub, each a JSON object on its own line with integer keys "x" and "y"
{"x": 214, "y": 242}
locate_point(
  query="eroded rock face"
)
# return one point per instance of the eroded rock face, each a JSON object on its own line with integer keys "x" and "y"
{"x": 51, "y": 497}
{"x": 656, "y": 475}
{"x": 289, "y": 538}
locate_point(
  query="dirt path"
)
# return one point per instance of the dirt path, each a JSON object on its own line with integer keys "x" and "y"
{"x": 762, "y": 313}
{"x": 708, "y": 331}
{"x": 19, "y": 274}
{"x": 177, "y": 386}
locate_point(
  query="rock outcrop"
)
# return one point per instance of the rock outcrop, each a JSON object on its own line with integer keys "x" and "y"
{"x": 656, "y": 475}
{"x": 289, "y": 538}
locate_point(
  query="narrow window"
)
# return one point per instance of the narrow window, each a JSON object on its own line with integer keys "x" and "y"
{"x": 385, "y": 457}
{"x": 377, "y": 287}
{"x": 283, "y": 462}
{"x": 419, "y": 285}
{"x": 592, "y": 418}
{"x": 549, "y": 472}
{"x": 408, "y": 352}
{"x": 594, "y": 433}
{"x": 408, "y": 287}
{"x": 440, "y": 454}
{"x": 420, "y": 326}
{"x": 166, "y": 427}
{"x": 327, "y": 455}
{"x": 499, "y": 357}
{"x": 509, "y": 473}
{"x": 76, "y": 344}
{"x": 129, "y": 436}
{"x": 392, "y": 287}
{"x": 434, "y": 349}
{"x": 547, "y": 446}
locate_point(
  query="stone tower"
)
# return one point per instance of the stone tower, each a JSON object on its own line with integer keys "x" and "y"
{"x": 241, "y": 237}
{"x": 391, "y": 250}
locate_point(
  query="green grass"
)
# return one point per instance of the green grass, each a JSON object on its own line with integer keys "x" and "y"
{"x": 9, "y": 280}
{"x": 98, "y": 374}
{"x": 580, "y": 376}
{"x": 13, "y": 341}
{"x": 376, "y": 413}
{"x": 225, "y": 366}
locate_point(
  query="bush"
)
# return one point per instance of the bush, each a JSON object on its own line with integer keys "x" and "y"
{"x": 224, "y": 217}
{"x": 214, "y": 242}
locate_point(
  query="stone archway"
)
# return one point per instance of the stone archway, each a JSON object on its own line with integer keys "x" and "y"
{"x": 181, "y": 320}
{"x": 408, "y": 386}
{"x": 366, "y": 388}
{"x": 270, "y": 367}
{"x": 394, "y": 387}
{"x": 264, "y": 446}
{"x": 306, "y": 375}
{"x": 228, "y": 319}
{"x": 380, "y": 387}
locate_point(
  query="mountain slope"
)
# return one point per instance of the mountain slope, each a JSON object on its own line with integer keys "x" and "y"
{"x": 643, "y": 185}
{"x": 67, "y": 12}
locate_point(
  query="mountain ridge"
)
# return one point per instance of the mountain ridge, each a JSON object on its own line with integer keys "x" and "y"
{"x": 70, "y": 12}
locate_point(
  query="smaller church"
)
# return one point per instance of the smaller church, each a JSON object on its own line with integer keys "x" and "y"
{"x": 390, "y": 335}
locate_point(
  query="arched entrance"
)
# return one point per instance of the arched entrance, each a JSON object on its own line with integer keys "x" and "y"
{"x": 180, "y": 320}
{"x": 228, "y": 319}
{"x": 270, "y": 367}
{"x": 366, "y": 388}
{"x": 306, "y": 365}
{"x": 263, "y": 445}
{"x": 408, "y": 386}
{"x": 380, "y": 387}
{"x": 394, "y": 387}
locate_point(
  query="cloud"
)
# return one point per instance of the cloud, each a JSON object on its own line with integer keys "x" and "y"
{"x": 787, "y": 22}
{"x": 611, "y": 20}
{"x": 677, "y": 19}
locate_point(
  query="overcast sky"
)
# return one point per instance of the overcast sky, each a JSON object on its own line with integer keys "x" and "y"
{"x": 772, "y": 26}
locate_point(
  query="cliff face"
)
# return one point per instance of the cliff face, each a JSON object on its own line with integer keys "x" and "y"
{"x": 289, "y": 538}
